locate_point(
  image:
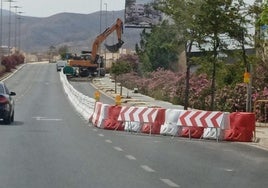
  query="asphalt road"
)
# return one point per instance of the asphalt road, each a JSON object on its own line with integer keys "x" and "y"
{"x": 50, "y": 146}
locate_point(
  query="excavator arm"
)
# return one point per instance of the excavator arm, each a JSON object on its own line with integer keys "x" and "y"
{"x": 118, "y": 27}
{"x": 90, "y": 62}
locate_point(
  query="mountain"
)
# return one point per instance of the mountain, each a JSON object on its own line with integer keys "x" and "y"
{"x": 77, "y": 31}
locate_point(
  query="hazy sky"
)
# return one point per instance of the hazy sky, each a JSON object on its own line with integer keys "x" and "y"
{"x": 45, "y": 8}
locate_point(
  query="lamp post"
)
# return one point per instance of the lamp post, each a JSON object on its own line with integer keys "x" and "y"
{"x": 19, "y": 35}
{"x": 100, "y": 33}
{"x": 9, "y": 25}
{"x": 105, "y": 52}
{"x": 1, "y": 25}
{"x": 15, "y": 26}
{"x": 1, "y": 32}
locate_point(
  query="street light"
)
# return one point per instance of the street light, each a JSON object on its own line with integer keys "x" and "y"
{"x": 9, "y": 24}
{"x": 15, "y": 37}
{"x": 1, "y": 31}
{"x": 105, "y": 53}
{"x": 100, "y": 33}
{"x": 19, "y": 18}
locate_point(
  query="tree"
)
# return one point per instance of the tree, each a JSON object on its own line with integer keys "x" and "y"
{"x": 217, "y": 20}
{"x": 51, "y": 52}
{"x": 120, "y": 67}
{"x": 63, "y": 50}
{"x": 159, "y": 48}
{"x": 183, "y": 14}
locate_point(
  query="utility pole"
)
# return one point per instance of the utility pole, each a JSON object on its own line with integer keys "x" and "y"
{"x": 100, "y": 33}
{"x": 15, "y": 37}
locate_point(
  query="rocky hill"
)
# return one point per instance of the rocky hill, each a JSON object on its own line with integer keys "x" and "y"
{"x": 77, "y": 31}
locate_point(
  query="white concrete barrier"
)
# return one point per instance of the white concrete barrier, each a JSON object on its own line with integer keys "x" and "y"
{"x": 84, "y": 105}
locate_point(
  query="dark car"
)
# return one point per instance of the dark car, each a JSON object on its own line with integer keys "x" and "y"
{"x": 60, "y": 64}
{"x": 6, "y": 104}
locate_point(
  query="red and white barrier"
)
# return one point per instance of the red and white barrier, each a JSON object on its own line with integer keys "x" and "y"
{"x": 241, "y": 128}
{"x": 99, "y": 114}
{"x": 134, "y": 117}
{"x": 203, "y": 119}
{"x": 170, "y": 126}
{"x": 154, "y": 128}
{"x": 111, "y": 121}
{"x": 138, "y": 114}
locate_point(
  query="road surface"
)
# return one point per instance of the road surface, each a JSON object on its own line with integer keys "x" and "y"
{"x": 50, "y": 146}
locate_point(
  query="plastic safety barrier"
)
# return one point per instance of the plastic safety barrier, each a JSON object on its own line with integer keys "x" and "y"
{"x": 195, "y": 122}
{"x": 135, "y": 117}
{"x": 191, "y": 132}
{"x": 100, "y": 114}
{"x": 170, "y": 126}
{"x": 154, "y": 127}
{"x": 242, "y": 127}
{"x": 111, "y": 121}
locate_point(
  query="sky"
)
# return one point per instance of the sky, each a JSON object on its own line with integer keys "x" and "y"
{"x": 46, "y": 8}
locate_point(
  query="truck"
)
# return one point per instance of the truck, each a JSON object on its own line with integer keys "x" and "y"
{"x": 90, "y": 63}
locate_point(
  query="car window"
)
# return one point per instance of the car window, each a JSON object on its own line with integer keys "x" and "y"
{"x": 2, "y": 89}
{"x": 7, "y": 91}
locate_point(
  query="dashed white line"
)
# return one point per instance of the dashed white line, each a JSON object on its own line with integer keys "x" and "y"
{"x": 118, "y": 148}
{"x": 228, "y": 170}
{"x": 108, "y": 141}
{"x": 101, "y": 135}
{"x": 147, "y": 168}
{"x": 169, "y": 183}
{"x": 130, "y": 157}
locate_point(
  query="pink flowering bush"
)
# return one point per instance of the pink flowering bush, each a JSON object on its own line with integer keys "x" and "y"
{"x": 10, "y": 62}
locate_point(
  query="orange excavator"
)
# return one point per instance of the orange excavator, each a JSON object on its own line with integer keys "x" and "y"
{"x": 89, "y": 62}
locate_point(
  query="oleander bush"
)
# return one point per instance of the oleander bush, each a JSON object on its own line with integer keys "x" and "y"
{"x": 10, "y": 62}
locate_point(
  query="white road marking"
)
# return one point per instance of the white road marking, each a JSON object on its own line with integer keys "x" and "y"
{"x": 130, "y": 157}
{"x": 101, "y": 135}
{"x": 108, "y": 141}
{"x": 147, "y": 168}
{"x": 228, "y": 170}
{"x": 169, "y": 183}
{"x": 118, "y": 149}
{"x": 46, "y": 119}
{"x": 95, "y": 130}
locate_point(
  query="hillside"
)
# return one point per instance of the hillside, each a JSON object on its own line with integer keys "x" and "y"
{"x": 77, "y": 31}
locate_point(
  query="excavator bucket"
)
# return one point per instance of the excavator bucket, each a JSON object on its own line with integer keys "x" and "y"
{"x": 114, "y": 48}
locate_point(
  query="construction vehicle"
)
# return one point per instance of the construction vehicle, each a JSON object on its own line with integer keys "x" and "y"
{"x": 89, "y": 63}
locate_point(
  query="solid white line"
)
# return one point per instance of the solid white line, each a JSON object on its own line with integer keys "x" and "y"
{"x": 169, "y": 183}
{"x": 108, "y": 141}
{"x": 118, "y": 148}
{"x": 147, "y": 168}
{"x": 130, "y": 157}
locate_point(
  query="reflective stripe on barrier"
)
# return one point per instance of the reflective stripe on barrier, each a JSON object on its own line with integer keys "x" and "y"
{"x": 138, "y": 114}
{"x": 154, "y": 127}
{"x": 134, "y": 117}
{"x": 203, "y": 119}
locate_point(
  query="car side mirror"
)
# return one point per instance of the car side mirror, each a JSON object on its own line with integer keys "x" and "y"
{"x": 12, "y": 93}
